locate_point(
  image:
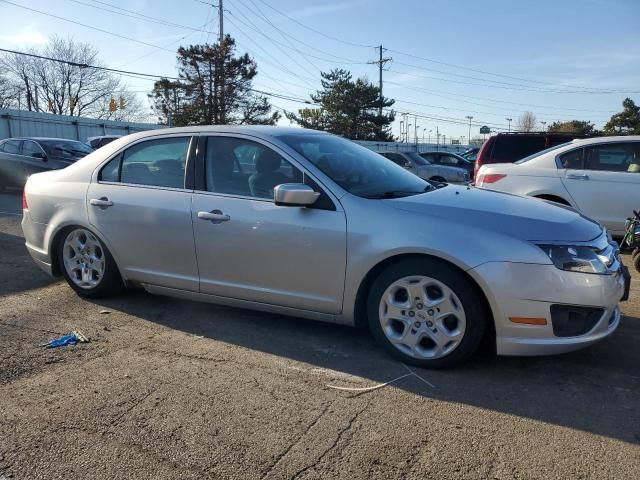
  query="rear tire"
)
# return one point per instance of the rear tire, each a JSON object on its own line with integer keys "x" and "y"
{"x": 87, "y": 265}
{"x": 426, "y": 313}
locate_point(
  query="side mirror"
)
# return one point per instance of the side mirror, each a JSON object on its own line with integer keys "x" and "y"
{"x": 408, "y": 165}
{"x": 294, "y": 195}
{"x": 39, "y": 155}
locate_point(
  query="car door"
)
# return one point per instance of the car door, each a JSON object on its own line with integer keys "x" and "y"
{"x": 604, "y": 181}
{"x": 12, "y": 172}
{"x": 250, "y": 249}
{"x": 140, "y": 205}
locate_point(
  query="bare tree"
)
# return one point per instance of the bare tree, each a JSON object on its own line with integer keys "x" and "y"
{"x": 71, "y": 87}
{"x": 526, "y": 122}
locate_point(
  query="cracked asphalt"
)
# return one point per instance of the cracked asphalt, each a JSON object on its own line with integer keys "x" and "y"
{"x": 174, "y": 389}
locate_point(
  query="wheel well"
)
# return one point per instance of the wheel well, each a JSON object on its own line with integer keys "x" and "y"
{"x": 365, "y": 286}
{"x": 55, "y": 250}
{"x": 553, "y": 198}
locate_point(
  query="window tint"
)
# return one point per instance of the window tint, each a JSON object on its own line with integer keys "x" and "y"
{"x": 11, "y": 146}
{"x": 511, "y": 148}
{"x": 29, "y": 148}
{"x": 449, "y": 160}
{"x": 68, "y": 149}
{"x": 619, "y": 157}
{"x": 111, "y": 171}
{"x": 572, "y": 159}
{"x": 237, "y": 166}
{"x": 155, "y": 162}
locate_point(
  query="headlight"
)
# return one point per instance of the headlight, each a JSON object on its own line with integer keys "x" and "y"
{"x": 577, "y": 259}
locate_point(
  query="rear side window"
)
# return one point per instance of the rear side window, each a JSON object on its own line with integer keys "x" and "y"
{"x": 159, "y": 163}
{"x": 618, "y": 157}
{"x": 509, "y": 149}
{"x": 572, "y": 160}
{"x": 396, "y": 158}
{"x": 11, "y": 146}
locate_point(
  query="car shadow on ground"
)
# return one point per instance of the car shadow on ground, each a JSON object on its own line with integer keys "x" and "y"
{"x": 595, "y": 390}
{"x": 18, "y": 273}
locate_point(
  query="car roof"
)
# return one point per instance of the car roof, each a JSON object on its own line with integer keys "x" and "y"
{"x": 597, "y": 140}
{"x": 42, "y": 139}
{"x": 255, "y": 130}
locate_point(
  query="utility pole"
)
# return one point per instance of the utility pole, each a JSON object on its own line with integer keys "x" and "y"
{"x": 508, "y": 120}
{"x": 221, "y": 105}
{"x": 381, "y": 63}
{"x": 469, "y": 117}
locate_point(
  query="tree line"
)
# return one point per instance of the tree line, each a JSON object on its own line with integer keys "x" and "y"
{"x": 214, "y": 86}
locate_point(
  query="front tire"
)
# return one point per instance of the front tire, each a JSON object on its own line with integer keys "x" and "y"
{"x": 426, "y": 313}
{"x": 87, "y": 264}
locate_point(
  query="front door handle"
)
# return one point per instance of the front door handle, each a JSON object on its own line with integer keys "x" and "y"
{"x": 102, "y": 202}
{"x": 578, "y": 176}
{"x": 214, "y": 216}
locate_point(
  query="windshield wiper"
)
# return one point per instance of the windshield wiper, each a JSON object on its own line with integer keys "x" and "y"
{"x": 398, "y": 193}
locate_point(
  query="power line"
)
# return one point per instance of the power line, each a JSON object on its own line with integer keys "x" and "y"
{"x": 314, "y": 30}
{"x": 85, "y": 25}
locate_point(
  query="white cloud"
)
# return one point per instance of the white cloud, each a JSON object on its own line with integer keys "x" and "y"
{"x": 25, "y": 36}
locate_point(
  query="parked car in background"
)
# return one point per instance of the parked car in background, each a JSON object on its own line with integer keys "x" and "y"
{"x": 423, "y": 168}
{"x": 514, "y": 146}
{"x": 326, "y": 229}
{"x": 21, "y": 157}
{"x": 449, "y": 159}
{"x": 600, "y": 177}
{"x": 471, "y": 154}
{"x": 101, "y": 141}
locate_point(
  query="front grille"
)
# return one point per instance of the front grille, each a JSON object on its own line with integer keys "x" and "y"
{"x": 570, "y": 321}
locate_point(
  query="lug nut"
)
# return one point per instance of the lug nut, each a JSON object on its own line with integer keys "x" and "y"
{"x": 419, "y": 306}
{"x": 416, "y": 325}
{"x": 430, "y": 312}
{"x": 412, "y": 313}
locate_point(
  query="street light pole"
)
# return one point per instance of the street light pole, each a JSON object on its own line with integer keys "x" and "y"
{"x": 469, "y": 117}
{"x": 544, "y": 124}
{"x": 401, "y": 132}
{"x": 408, "y": 130}
{"x": 509, "y": 120}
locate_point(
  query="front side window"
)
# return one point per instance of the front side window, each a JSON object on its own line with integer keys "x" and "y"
{"x": 618, "y": 157}
{"x": 160, "y": 162}
{"x": 29, "y": 148}
{"x": 236, "y": 166}
{"x": 357, "y": 169}
{"x": 68, "y": 149}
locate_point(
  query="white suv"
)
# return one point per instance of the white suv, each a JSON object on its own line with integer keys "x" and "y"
{"x": 600, "y": 177}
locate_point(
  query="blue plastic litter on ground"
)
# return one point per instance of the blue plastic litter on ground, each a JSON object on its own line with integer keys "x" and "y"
{"x": 62, "y": 341}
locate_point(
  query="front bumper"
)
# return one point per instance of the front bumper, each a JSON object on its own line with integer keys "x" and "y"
{"x": 518, "y": 290}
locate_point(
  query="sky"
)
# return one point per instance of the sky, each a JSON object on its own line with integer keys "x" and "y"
{"x": 450, "y": 59}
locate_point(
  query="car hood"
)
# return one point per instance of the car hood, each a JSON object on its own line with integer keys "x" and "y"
{"x": 520, "y": 217}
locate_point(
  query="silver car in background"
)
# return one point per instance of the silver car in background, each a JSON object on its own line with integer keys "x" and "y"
{"x": 304, "y": 223}
{"x": 423, "y": 168}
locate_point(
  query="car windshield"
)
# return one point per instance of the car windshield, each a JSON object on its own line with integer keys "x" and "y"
{"x": 357, "y": 169}
{"x": 65, "y": 148}
{"x": 537, "y": 154}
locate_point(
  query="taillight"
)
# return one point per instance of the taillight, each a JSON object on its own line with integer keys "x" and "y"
{"x": 25, "y": 205}
{"x": 480, "y": 158}
{"x": 486, "y": 178}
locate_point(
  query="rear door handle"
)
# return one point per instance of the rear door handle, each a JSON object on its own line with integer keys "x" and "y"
{"x": 102, "y": 202}
{"x": 214, "y": 216}
{"x": 578, "y": 176}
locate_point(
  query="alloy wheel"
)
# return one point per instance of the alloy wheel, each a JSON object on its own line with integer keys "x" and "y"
{"x": 422, "y": 317}
{"x": 83, "y": 258}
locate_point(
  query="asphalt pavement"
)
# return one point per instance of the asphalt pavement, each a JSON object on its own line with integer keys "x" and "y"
{"x": 175, "y": 389}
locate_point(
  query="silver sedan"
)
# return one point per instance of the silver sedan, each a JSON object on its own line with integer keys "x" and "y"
{"x": 304, "y": 223}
